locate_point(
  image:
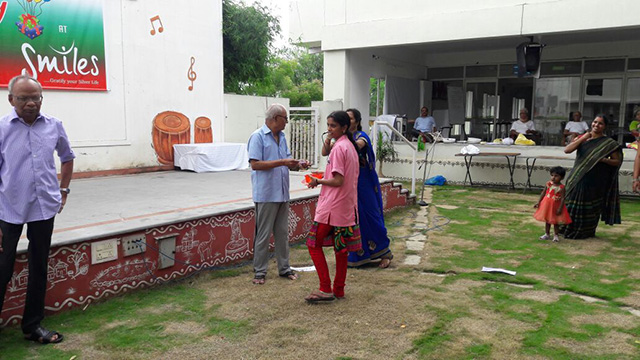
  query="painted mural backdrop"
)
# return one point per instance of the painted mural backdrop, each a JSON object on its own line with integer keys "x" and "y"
{"x": 60, "y": 42}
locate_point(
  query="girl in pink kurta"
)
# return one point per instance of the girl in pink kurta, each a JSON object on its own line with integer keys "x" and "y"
{"x": 335, "y": 222}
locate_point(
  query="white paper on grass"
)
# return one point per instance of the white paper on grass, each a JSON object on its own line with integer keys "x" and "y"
{"x": 488, "y": 269}
{"x": 304, "y": 268}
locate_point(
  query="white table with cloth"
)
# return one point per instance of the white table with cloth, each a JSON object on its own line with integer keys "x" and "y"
{"x": 211, "y": 156}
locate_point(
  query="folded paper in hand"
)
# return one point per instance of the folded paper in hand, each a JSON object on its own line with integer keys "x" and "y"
{"x": 470, "y": 150}
{"x": 490, "y": 270}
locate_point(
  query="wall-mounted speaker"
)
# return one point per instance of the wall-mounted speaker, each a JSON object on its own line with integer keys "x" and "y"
{"x": 528, "y": 55}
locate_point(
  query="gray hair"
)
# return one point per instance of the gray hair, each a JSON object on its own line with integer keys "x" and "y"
{"x": 274, "y": 110}
{"x": 15, "y": 79}
{"x": 525, "y": 111}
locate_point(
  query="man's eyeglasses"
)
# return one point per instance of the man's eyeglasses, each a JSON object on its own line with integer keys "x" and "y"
{"x": 286, "y": 118}
{"x": 26, "y": 99}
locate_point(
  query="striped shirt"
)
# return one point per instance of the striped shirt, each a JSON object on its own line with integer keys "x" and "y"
{"x": 29, "y": 189}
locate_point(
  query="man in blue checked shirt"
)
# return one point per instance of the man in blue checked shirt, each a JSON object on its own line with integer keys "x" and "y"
{"x": 30, "y": 194}
{"x": 270, "y": 161}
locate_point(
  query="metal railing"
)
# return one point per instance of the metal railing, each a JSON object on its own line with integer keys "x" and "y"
{"x": 399, "y": 135}
{"x": 304, "y": 134}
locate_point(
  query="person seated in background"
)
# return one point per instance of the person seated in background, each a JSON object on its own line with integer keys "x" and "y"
{"x": 574, "y": 128}
{"x": 424, "y": 125}
{"x": 524, "y": 126}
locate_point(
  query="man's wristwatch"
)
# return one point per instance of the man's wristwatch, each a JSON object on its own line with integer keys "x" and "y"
{"x": 65, "y": 190}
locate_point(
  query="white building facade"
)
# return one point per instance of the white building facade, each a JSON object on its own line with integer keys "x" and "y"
{"x": 590, "y": 62}
{"x": 161, "y": 56}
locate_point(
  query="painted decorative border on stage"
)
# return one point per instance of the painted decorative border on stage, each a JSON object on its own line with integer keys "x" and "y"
{"x": 200, "y": 244}
{"x": 60, "y": 42}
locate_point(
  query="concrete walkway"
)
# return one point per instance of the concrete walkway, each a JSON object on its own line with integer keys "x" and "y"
{"x": 416, "y": 241}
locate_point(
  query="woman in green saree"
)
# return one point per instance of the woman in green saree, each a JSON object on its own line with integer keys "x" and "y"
{"x": 592, "y": 187}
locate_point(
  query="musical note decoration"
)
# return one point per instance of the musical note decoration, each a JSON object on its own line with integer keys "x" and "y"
{"x": 153, "y": 25}
{"x": 191, "y": 75}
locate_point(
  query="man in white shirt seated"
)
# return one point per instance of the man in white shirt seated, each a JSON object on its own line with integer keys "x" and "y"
{"x": 424, "y": 125}
{"x": 524, "y": 126}
{"x": 574, "y": 128}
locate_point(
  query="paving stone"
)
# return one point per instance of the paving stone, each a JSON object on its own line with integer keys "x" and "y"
{"x": 418, "y": 237}
{"x": 421, "y": 226}
{"x": 415, "y": 245}
{"x": 412, "y": 260}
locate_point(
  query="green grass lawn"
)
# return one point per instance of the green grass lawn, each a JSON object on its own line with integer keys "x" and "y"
{"x": 496, "y": 229}
{"x": 568, "y": 300}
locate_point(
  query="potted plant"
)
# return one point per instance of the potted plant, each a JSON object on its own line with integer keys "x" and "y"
{"x": 384, "y": 152}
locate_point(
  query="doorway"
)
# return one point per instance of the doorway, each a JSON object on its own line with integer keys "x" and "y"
{"x": 514, "y": 94}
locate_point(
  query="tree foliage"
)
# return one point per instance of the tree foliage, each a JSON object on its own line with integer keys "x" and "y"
{"x": 247, "y": 33}
{"x": 374, "y": 84}
{"x": 251, "y": 69}
{"x": 292, "y": 73}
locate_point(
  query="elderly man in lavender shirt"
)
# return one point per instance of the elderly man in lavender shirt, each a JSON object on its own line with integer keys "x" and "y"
{"x": 30, "y": 194}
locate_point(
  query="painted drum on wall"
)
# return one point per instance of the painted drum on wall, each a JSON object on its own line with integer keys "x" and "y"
{"x": 202, "y": 132}
{"x": 169, "y": 128}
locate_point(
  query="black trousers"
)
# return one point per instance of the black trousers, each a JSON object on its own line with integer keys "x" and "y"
{"x": 39, "y": 235}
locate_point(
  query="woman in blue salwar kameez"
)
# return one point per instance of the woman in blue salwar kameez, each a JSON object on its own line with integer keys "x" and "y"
{"x": 375, "y": 242}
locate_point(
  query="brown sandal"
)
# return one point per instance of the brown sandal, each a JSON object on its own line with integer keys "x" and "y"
{"x": 258, "y": 280}
{"x": 319, "y": 296}
{"x": 291, "y": 275}
{"x": 386, "y": 261}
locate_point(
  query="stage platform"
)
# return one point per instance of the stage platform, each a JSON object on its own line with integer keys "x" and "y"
{"x": 120, "y": 233}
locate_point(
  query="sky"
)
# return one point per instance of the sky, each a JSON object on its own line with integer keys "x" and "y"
{"x": 280, "y": 9}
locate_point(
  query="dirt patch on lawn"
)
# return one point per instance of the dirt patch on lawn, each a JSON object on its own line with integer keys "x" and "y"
{"x": 625, "y": 321}
{"x": 632, "y": 300}
{"x": 587, "y": 247}
{"x": 187, "y": 327}
{"x": 609, "y": 344}
{"x": 115, "y": 324}
{"x": 498, "y": 232}
{"x": 161, "y": 309}
{"x": 633, "y": 274}
{"x": 545, "y": 280}
{"x": 483, "y": 327}
{"x": 546, "y": 297}
{"x": 384, "y": 310}
{"x": 75, "y": 342}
